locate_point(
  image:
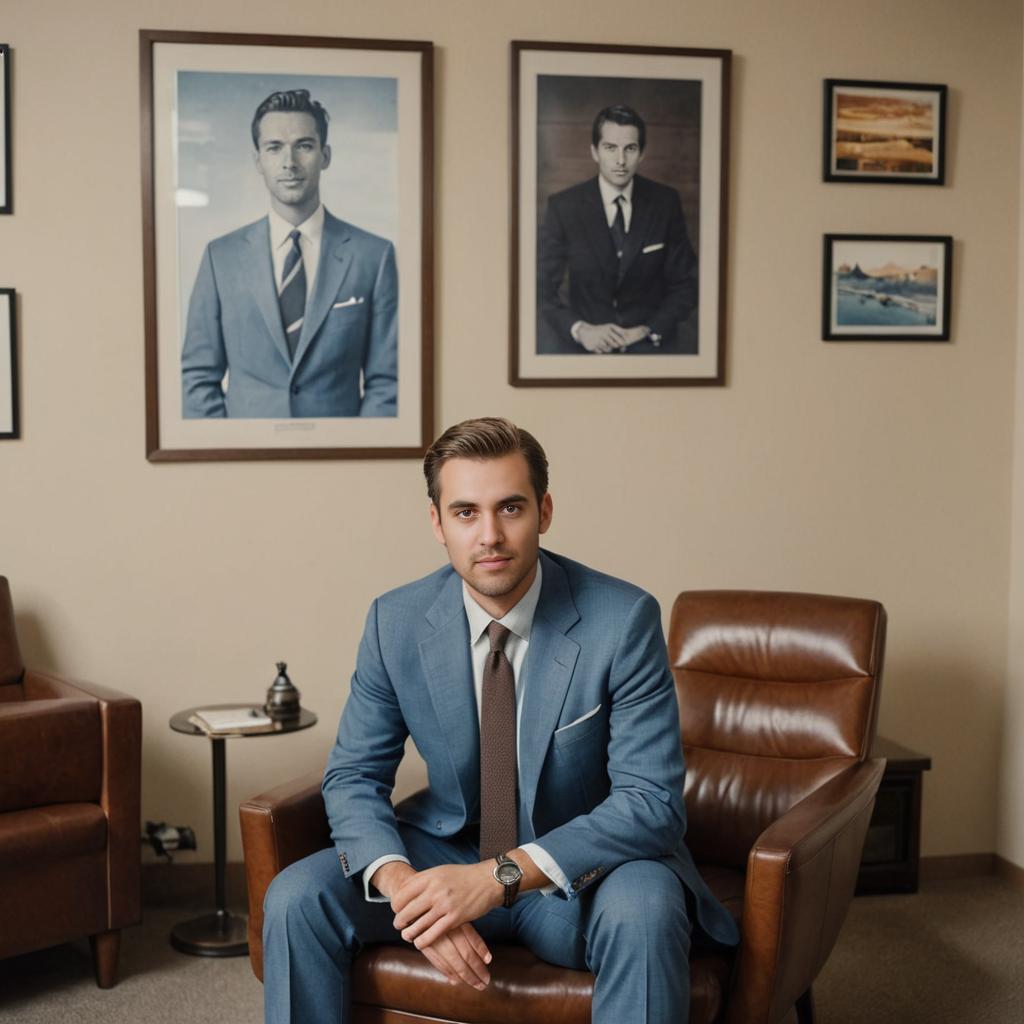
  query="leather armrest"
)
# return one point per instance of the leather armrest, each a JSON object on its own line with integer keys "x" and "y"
{"x": 801, "y": 874}
{"x": 279, "y": 827}
{"x": 120, "y": 784}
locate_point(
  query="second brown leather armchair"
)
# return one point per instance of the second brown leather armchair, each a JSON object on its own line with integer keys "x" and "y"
{"x": 69, "y": 809}
{"x": 778, "y": 701}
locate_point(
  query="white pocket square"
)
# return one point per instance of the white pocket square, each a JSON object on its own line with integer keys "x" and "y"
{"x": 582, "y": 718}
{"x": 348, "y": 302}
{"x": 653, "y": 248}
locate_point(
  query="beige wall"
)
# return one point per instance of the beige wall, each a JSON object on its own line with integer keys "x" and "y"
{"x": 876, "y": 470}
{"x": 1009, "y": 812}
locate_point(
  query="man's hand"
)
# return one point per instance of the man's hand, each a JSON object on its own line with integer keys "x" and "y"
{"x": 433, "y": 902}
{"x": 610, "y": 337}
{"x": 457, "y": 951}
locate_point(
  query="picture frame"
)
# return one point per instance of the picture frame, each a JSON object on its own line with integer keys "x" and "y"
{"x": 6, "y": 202}
{"x": 350, "y": 375}
{"x": 891, "y": 133}
{"x": 580, "y": 314}
{"x": 887, "y": 287}
{"x": 9, "y": 419}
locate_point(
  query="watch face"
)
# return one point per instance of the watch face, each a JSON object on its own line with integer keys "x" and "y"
{"x": 508, "y": 873}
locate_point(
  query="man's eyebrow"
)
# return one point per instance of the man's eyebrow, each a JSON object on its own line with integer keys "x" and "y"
{"x": 273, "y": 140}
{"x": 511, "y": 499}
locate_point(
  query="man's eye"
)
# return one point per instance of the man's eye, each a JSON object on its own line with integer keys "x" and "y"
{"x": 511, "y": 510}
{"x": 464, "y": 513}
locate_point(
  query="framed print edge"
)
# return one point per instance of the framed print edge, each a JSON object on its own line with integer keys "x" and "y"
{"x": 944, "y": 330}
{"x": 9, "y": 363}
{"x": 518, "y": 375}
{"x": 413, "y": 429}
{"x": 6, "y": 161}
{"x": 828, "y": 141}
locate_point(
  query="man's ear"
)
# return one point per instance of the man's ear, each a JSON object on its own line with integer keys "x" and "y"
{"x": 327, "y": 157}
{"x": 546, "y": 511}
{"x": 435, "y": 522}
{"x": 593, "y": 154}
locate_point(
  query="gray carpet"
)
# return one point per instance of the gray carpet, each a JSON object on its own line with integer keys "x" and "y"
{"x": 953, "y": 952}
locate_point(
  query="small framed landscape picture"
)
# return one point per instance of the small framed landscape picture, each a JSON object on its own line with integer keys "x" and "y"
{"x": 885, "y": 132}
{"x": 887, "y": 287}
{"x": 8, "y": 367}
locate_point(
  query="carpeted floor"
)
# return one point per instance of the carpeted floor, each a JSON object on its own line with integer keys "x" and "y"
{"x": 953, "y": 952}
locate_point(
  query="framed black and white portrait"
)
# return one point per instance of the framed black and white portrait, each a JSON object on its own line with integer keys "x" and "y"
{"x": 287, "y": 202}
{"x": 619, "y": 212}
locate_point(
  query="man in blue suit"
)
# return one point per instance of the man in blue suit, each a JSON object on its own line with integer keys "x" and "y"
{"x": 296, "y": 314}
{"x": 619, "y": 240}
{"x": 539, "y": 695}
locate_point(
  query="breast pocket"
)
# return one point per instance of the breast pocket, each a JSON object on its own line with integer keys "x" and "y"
{"x": 581, "y": 751}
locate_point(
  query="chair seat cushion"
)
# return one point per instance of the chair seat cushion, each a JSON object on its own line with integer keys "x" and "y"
{"x": 525, "y": 987}
{"x": 51, "y": 833}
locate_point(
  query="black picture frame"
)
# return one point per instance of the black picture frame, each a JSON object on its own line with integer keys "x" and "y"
{"x": 886, "y": 287}
{"x": 6, "y": 200}
{"x": 685, "y": 94}
{"x": 906, "y": 120}
{"x": 166, "y": 60}
{"x": 9, "y": 414}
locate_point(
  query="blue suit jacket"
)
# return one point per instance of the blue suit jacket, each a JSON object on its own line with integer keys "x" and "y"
{"x": 595, "y": 794}
{"x": 346, "y": 360}
{"x": 655, "y": 282}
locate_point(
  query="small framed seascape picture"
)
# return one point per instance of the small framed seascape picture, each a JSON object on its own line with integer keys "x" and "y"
{"x": 884, "y": 132}
{"x": 887, "y": 287}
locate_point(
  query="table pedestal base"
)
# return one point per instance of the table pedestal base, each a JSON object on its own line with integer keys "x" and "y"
{"x": 218, "y": 934}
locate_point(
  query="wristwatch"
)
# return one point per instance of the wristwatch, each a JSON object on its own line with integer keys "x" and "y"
{"x": 509, "y": 874}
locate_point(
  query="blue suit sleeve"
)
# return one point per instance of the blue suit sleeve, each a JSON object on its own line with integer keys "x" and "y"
{"x": 361, "y": 769}
{"x": 380, "y": 369}
{"x": 643, "y": 817}
{"x": 203, "y": 357}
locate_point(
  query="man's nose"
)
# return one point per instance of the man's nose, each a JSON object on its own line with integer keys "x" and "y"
{"x": 492, "y": 534}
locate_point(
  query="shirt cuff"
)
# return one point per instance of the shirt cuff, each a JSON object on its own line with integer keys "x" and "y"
{"x": 371, "y": 869}
{"x": 546, "y": 863}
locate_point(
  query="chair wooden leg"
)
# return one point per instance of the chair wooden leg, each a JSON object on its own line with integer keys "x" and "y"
{"x": 805, "y": 1008}
{"x": 105, "y": 949}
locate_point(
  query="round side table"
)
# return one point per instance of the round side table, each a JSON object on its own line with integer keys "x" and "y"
{"x": 222, "y": 933}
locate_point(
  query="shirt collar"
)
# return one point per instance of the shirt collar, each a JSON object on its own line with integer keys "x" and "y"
{"x": 609, "y": 193}
{"x": 518, "y": 619}
{"x": 311, "y": 228}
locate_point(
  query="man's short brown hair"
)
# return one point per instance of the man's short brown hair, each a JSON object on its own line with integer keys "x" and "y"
{"x": 489, "y": 437}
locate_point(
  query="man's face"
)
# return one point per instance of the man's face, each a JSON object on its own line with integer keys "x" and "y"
{"x": 618, "y": 153}
{"x": 490, "y": 521}
{"x": 290, "y": 158}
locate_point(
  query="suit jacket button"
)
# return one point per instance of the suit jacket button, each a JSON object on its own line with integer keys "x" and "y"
{"x": 295, "y": 389}
{"x": 439, "y": 825}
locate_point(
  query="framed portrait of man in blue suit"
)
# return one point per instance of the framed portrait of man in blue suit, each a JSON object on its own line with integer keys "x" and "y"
{"x": 620, "y": 180}
{"x": 286, "y": 198}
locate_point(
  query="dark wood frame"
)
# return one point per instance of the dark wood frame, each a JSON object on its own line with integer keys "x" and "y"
{"x": 15, "y": 431}
{"x": 828, "y": 334}
{"x": 7, "y": 206}
{"x": 154, "y": 453}
{"x": 515, "y": 377}
{"x": 939, "y": 178}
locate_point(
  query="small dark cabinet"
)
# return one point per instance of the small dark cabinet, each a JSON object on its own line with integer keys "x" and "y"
{"x": 892, "y": 848}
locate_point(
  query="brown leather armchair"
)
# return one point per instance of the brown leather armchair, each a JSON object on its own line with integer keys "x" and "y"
{"x": 70, "y": 759}
{"x": 778, "y": 701}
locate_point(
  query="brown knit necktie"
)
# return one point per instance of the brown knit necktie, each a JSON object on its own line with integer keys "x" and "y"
{"x": 498, "y": 772}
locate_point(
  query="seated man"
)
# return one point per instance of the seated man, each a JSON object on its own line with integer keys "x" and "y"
{"x": 539, "y": 695}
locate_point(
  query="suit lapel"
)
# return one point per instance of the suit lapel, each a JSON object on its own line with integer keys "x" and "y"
{"x": 638, "y": 226}
{"x": 335, "y": 260}
{"x": 258, "y": 272}
{"x": 448, "y": 668}
{"x": 549, "y": 665}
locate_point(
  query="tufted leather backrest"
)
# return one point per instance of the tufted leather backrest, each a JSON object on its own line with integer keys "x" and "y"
{"x": 12, "y": 668}
{"x": 777, "y": 694}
